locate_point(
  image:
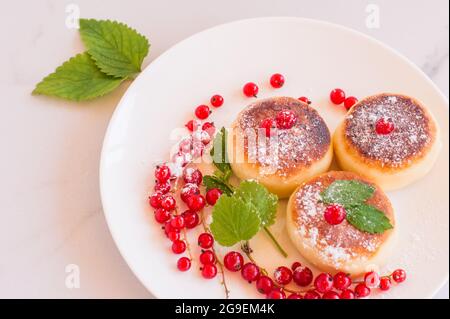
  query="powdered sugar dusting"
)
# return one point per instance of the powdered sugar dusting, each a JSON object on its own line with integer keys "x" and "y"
{"x": 409, "y": 138}
{"x": 287, "y": 149}
{"x": 336, "y": 244}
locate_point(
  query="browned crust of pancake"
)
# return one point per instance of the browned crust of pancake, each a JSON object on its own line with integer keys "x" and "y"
{"x": 355, "y": 242}
{"x": 307, "y": 142}
{"x": 408, "y": 144}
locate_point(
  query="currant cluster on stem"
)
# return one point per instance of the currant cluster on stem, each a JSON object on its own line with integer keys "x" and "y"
{"x": 166, "y": 208}
{"x": 323, "y": 286}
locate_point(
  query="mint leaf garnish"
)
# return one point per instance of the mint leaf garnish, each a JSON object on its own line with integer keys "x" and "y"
{"x": 233, "y": 221}
{"x": 78, "y": 79}
{"x": 215, "y": 182}
{"x": 353, "y": 196}
{"x": 264, "y": 202}
{"x": 117, "y": 49}
{"x": 368, "y": 219}
{"x": 347, "y": 192}
{"x": 219, "y": 154}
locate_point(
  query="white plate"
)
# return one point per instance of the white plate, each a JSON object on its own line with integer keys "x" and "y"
{"x": 314, "y": 57}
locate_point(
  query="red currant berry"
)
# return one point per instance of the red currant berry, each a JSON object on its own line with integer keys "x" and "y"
{"x": 209, "y": 128}
{"x": 347, "y": 294}
{"x": 168, "y": 228}
{"x": 202, "y": 112}
{"x": 191, "y": 219}
{"x": 250, "y": 89}
{"x": 209, "y": 271}
{"x": 250, "y": 272}
{"x": 330, "y": 295}
{"x": 168, "y": 202}
{"x": 276, "y": 294}
{"x": 162, "y": 215}
{"x": 399, "y": 275}
{"x": 155, "y": 200}
{"x": 205, "y": 240}
{"x": 207, "y": 257}
{"x": 337, "y": 96}
{"x": 184, "y": 264}
{"x": 286, "y": 119}
{"x": 267, "y": 124}
{"x": 277, "y": 80}
{"x": 264, "y": 285}
{"x": 361, "y": 290}
{"x": 350, "y": 101}
{"x": 311, "y": 294}
{"x": 178, "y": 246}
{"x": 196, "y": 203}
{"x": 323, "y": 282}
{"x": 192, "y": 175}
{"x": 213, "y": 195}
{"x": 163, "y": 188}
{"x": 191, "y": 125}
{"x": 295, "y": 296}
{"x": 188, "y": 190}
{"x": 304, "y": 99}
{"x": 174, "y": 235}
{"x": 295, "y": 265}
{"x": 372, "y": 279}
{"x": 177, "y": 222}
{"x": 282, "y": 275}
{"x": 385, "y": 283}
{"x": 335, "y": 214}
{"x": 233, "y": 261}
{"x": 384, "y": 126}
{"x": 162, "y": 173}
{"x": 217, "y": 100}
{"x": 303, "y": 276}
{"x": 341, "y": 281}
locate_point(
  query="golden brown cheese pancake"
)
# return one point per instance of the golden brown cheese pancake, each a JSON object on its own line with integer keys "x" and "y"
{"x": 290, "y": 156}
{"x": 334, "y": 248}
{"x": 392, "y": 160}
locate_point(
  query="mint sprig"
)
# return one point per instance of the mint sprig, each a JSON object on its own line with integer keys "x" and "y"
{"x": 347, "y": 192}
{"x": 257, "y": 196}
{"x": 212, "y": 181}
{"x": 233, "y": 221}
{"x": 352, "y": 195}
{"x": 115, "y": 52}
{"x": 219, "y": 154}
{"x": 220, "y": 160}
{"x": 368, "y": 219}
{"x": 257, "y": 200}
{"x": 117, "y": 49}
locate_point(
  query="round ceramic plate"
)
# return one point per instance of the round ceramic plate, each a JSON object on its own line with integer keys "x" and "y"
{"x": 314, "y": 57}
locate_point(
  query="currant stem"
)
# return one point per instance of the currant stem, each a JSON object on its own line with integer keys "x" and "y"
{"x": 282, "y": 251}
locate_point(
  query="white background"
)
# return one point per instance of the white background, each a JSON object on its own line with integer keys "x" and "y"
{"x": 50, "y": 210}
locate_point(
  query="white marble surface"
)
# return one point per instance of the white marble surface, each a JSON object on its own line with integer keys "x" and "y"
{"x": 50, "y": 208}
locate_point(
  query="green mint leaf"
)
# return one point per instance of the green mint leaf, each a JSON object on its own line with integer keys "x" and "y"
{"x": 215, "y": 182}
{"x": 219, "y": 154}
{"x": 233, "y": 221}
{"x": 77, "y": 79}
{"x": 347, "y": 193}
{"x": 117, "y": 49}
{"x": 264, "y": 202}
{"x": 368, "y": 219}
